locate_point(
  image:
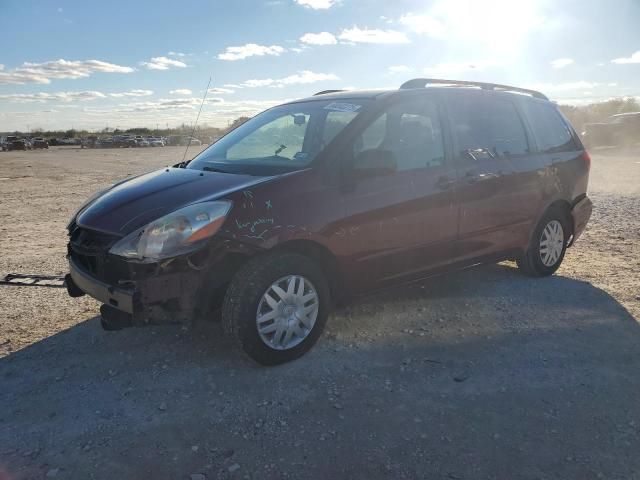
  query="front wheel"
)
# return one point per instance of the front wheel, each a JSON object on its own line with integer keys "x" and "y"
{"x": 548, "y": 245}
{"x": 276, "y": 307}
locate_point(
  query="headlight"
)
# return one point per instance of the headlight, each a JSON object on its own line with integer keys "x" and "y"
{"x": 180, "y": 232}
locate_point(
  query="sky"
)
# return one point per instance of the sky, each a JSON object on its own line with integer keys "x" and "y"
{"x": 94, "y": 65}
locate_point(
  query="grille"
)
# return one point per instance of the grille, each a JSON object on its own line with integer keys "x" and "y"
{"x": 89, "y": 248}
{"x": 91, "y": 242}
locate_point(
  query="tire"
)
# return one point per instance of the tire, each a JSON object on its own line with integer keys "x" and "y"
{"x": 537, "y": 262}
{"x": 245, "y": 300}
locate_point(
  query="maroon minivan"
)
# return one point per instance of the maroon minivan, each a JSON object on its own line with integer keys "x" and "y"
{"x": 334, "y": 195}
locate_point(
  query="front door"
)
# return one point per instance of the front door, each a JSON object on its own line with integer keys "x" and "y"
{"x": 402, "y": 223}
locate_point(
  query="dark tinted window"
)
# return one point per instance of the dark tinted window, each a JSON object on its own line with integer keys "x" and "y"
{"x": 486, "y": 127}
{"x": 552, "y": 134}
{"x": 335, "y": 123}
{"x": 411, "y": 131}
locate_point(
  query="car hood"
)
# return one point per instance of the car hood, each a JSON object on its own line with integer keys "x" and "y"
{"x": 134, "y": 203}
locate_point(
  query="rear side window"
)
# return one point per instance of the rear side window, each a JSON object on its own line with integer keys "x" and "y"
{"x": 486, "y": 127}
{"x": 550, "y": 130}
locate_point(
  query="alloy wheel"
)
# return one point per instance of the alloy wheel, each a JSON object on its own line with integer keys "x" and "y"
{"x": 287, "y": 312}
{"x": 551, "y": 243}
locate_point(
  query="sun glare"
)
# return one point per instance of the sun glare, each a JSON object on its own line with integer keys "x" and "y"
{"x": 497, "y": 25}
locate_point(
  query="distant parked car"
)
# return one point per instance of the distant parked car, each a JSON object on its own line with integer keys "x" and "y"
{"x": 182, "y": 140}
{"x": 155, "y": 142}
{"x": 104, "y": 143}
{"x": 6, "y": 141}
{"x": 141, "y": 142}
{"x": 618, "y": 130}
{"x": 41, "y": 143}
{"x": 19, "y": 144}
{"x": 88, "y": 142}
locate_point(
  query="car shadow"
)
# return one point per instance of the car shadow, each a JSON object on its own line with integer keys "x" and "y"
{"x": 479, "y": 374}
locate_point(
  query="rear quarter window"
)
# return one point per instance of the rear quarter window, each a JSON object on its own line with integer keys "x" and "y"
{"x": 550, "y": 130}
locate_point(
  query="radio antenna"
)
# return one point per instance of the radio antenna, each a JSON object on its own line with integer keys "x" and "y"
{"x": 206, "y": 91}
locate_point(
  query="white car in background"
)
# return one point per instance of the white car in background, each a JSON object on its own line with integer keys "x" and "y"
{"x": 155, "y": 142}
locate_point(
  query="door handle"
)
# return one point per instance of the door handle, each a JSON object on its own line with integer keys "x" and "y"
{"x": 445, "y": 182}
{"x": 472, "y": 177}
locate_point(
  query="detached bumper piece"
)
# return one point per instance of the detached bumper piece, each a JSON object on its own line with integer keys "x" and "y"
{"x": 114, "y": 319}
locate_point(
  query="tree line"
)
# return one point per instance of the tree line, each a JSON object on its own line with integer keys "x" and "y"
{"x": 578, "y": 115}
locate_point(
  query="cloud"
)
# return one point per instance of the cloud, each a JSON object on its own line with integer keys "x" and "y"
{"x": 43, "y": 97}
{"x": 132, "y": 93}
{"x": 171, "y": 111}
{"x": 400, "y": 69}
{"x": 424, "y": 25}
{"x": 634, "y": 58}
{"x": 162, "y": 63}
{"x": 564, "y": 87}
{"x": 322, "y": 38}
{"x": 562, "y": 62}
{"x": 42, "y": 73}
{"x": 249, "y": 50}
{"x": 317, "y": 4}
{"x": 453, "y": 68}
{"x": 301, "y": 78}
{"x": 181, "y": 91}
{"x": 221, "y": 91}
{"x": 357, "y": 35}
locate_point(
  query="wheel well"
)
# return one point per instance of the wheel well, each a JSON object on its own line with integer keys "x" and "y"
{"x": 565, "y": 207}
{"x": 323, "y": 257}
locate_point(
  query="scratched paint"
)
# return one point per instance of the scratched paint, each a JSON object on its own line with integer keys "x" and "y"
{"x": 252, "y": 224}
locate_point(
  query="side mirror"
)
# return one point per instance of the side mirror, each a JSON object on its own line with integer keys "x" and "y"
{"x": 299, "y": 119}
{"x": 374, "y": 163}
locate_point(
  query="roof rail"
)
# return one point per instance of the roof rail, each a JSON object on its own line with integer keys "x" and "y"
{"x": 423, "y": 82}
{"x": 324, "y": 92}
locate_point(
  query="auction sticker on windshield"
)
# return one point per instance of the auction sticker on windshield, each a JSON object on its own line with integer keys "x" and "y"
{"x": 343, "y": 107}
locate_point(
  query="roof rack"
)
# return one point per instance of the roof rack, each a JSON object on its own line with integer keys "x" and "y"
{"x": 324, "y": 92}
{"x": 423, "y": 82}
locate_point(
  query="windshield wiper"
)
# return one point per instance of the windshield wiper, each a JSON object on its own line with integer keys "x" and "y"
{"x": 280, "y": 148}
{"x": 213, "y": 169}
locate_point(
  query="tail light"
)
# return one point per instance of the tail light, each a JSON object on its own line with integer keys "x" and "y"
{"x": 586, "y": 158}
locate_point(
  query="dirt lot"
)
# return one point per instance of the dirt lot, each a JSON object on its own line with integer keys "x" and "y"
{"x": 483, "y": 374}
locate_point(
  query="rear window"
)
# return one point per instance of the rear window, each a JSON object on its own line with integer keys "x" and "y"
{"x": 484, "y": 126}
{"x": 551, "y": 132}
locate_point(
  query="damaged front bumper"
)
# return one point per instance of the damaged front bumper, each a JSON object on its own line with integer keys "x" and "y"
{"x": 165, "y": 298}
{"x": 176, "y": 290}
{"x": 80, "y": 282}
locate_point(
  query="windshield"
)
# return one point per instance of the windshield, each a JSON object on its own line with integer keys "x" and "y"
{"x": 282, "y": 139}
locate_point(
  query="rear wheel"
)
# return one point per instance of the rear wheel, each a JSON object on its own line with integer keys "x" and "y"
{"x": 276, "y": 307}
{"x": 548, "y": 245}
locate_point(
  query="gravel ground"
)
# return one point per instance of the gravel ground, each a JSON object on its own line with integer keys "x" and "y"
{"x": 482, "y": 374}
